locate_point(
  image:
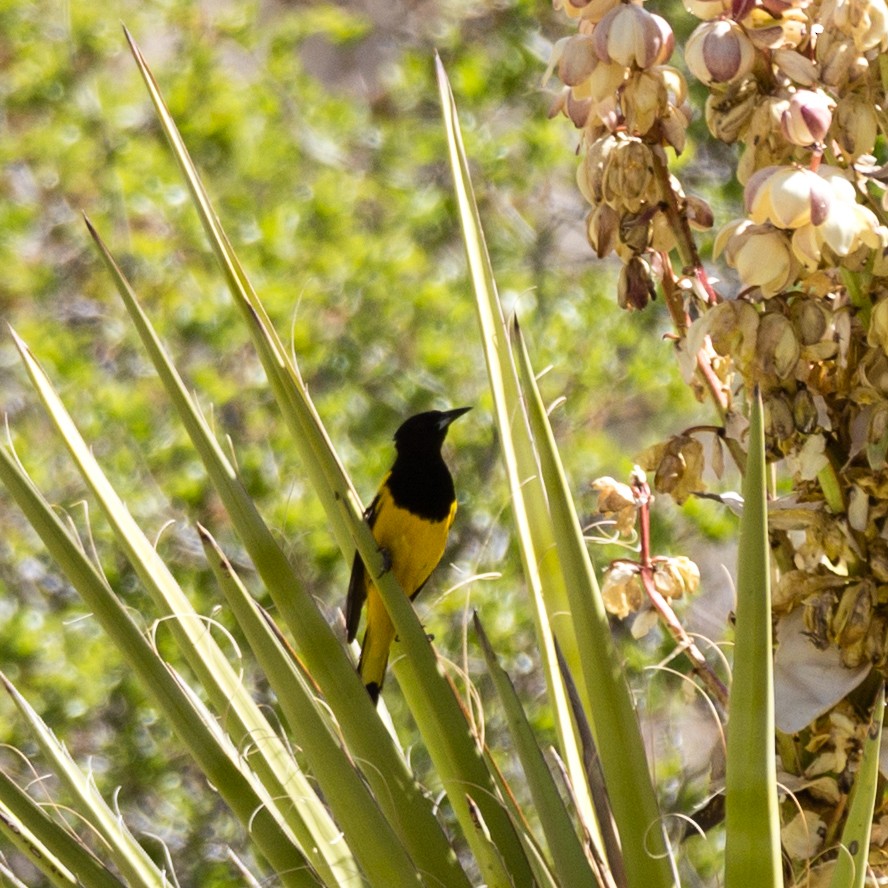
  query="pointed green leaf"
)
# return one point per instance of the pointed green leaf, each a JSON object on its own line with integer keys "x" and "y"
{"x": 752, "y": 820}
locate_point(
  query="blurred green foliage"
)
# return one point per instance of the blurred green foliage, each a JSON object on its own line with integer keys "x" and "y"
{"x": 317, "y": 129}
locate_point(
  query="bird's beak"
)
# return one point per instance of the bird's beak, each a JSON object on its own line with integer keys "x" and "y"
{"x": 448, "y": 416}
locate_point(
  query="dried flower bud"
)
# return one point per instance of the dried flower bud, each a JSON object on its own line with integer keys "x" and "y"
{"x": 877, "y": 334}
{"x": 728, "y": 115}
{"x": 807, "y": 119}
{"x": 797, "y": 67}
{"x": 635, "y": 287}
{"x": 616, "y": 500}
{"x": 622, "y": 589}
{"x": 732, "y": 328}
{"x": 777, "y": 349}
{"x": 809, "y": 320}
{"x": 839, "y": 61}
{"x": 602, "y": 229}
{"x": 804, "y": 411}
{"x": 628, "y": 183}
{"x": 802, "y": 837}
{"x": 629, "y": 35}
{"x": 591, "y": 171}
{"x": 677, "y": 465}
{"x": 779, "y": 423}
{"x": 851, "y": 620}
{"x": 856, "y": 125}
{"x": 676, "y": 576}
{"x": 719, "y": 52}
{"x": 864, "y": 21}
{"x": 788, "y": 197}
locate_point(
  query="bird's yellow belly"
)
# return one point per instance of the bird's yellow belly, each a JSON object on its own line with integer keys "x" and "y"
{"x": 413, "y": 545}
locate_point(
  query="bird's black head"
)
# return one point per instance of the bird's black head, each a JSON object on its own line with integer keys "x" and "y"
{"x": 426, "y": 431}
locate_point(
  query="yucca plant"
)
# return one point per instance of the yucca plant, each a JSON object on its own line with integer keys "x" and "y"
{"x": 347, "y": 809}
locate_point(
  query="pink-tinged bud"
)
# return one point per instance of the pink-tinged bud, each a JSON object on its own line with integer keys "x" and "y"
{"x": 719, "y": 52}
{"x": 631, "y": 36}
{"x": 807, "y": 119}
{"x": 787, "y": 197}
{"x": 578, "y": 60}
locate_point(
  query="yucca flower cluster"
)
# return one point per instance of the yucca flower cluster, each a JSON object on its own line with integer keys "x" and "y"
{"x": 799, "y": 87}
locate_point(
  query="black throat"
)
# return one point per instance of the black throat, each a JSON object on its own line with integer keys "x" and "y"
{"x": 421, "y": 483}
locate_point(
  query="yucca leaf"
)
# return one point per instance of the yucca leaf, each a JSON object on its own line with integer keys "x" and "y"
{"x": 571, "y": 864}
{"x": 752, "y": 820}
{"x": 542, "y": 571}
{"x": 439, "y": 718}
{"x": 612, "y": 715}
{"x": 851, "y": 864}
{"x": 128, "y": 855}
{"x": 50, "y": 847}
{"x": 382, "y": 857}
{"x": 213, "y": 753}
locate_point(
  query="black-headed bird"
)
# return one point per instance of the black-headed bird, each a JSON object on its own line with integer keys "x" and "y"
{"x": 410, "y": 518}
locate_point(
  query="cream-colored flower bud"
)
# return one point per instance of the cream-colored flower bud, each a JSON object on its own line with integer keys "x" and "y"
{"x": 777, "y": 348}
{"x": 761, "y": 254}
{"x": 706, "y": 10}
{"x": 719, "y": 52}
{"x": 629, "y": 35}
{"x": 622, "y": 589}
{"x": 807, "y": 119}
{"x": 856, "y": 125}
{"x": 788, "y": 197}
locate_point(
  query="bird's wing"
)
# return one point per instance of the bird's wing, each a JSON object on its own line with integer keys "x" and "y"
{"x": 357, "y": 585}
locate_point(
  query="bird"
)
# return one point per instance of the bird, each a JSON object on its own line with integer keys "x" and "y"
{"x": 410, "y": 518}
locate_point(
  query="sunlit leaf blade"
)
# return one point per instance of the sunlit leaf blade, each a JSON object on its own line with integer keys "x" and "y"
{"x": 382, "y": 857}
{"x": 542, "y": 571}
{"x": 571, "y": 864}
{"x": 611, "y": 867}
{"x": 52, "y": 849}
{"x": 438, "y": 716}
{"x": 128, "y": 855}
{"x": 213, "y": 753}
{"x": 271, "y": 760}
{"x": 851, "y": 865}
{"x": 611, "y": 715}
{"x": 752, "y": 822}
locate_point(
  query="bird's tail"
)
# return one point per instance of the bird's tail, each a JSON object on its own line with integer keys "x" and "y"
{"x": 374, "y": 656}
